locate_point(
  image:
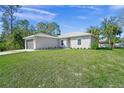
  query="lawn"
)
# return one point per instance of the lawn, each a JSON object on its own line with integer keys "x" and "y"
{"x": 63, "y": 68}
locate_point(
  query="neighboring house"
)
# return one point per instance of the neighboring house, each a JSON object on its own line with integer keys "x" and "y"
{"x": 119, "y": 45}
{"x": 105, "y": 44}
{"x": 69, "y": 40}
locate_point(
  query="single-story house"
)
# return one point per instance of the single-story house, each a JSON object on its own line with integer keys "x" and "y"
{"x": 69, "y": 40}
{"x": 103, "y": 43}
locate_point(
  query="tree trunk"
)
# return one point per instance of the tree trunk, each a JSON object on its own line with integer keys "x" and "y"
{"x": 110, "y": 43}
{"x": 11, "y": 20}
{"x": 11, "y": 24}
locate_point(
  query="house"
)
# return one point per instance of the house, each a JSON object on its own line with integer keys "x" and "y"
{"x": 103, "y": 43}
{"x": 69, "y": 40}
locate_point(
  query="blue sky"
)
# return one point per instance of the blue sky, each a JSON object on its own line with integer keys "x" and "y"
{"x": 72, "y": 18}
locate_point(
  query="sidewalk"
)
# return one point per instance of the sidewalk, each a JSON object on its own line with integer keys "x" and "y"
{"x": 15, "y": 51}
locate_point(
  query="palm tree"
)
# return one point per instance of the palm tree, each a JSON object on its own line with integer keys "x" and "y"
{"x": 111, "y": 30}
{"x": 95, "y": 31}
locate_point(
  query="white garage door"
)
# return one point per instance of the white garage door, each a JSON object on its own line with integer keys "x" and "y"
{"x": 30, "y": 44}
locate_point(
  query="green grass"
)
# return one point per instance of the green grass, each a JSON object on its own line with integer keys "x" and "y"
{"x": 63, "y": 68}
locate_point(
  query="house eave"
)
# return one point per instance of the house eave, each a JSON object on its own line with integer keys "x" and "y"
{"x": 73, "y": 36}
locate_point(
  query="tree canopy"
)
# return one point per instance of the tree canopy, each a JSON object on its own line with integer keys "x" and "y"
{"x": 48, "y": 28}
{"x": 94, "y": 31}
{"x": 14, "y": 30}
{"x": 111, "y": 29}
{"x": 8, "y": 17}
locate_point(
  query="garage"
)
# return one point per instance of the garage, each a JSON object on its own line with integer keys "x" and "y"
{"x": 29, "y": 44}
{"x": 41, "y": 41}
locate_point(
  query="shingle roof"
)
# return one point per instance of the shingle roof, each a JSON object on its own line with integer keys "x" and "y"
{"x": 40, "y": 35}
{"x": 74, "y": 34}
{"x": 67, "y": 35}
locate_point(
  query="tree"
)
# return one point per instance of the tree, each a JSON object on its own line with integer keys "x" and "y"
{"x": 8, "y": 20}
{"x": 41, "y": 27}
{"x": 17, "y": 36}
{"x": 53, "y": 29}
{"x": 8, "y": 14}
{"x": 49, "y": 28}
{"x": 111, "y": 30}
{"x": 32, "y": 29}
{"x": 23, "y": 24}
{"x": 95, "y": 31}
{"x": 5, "y": 24}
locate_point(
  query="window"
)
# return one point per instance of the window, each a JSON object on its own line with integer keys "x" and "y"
{"x": 79, "y": 41}
{"x": 62, "y": 42}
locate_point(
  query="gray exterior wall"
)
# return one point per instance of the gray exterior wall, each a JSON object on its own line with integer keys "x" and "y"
{"x": 85, "y": 42}
{"x": 73, "y": 42}
{"x": 45, "y": 42}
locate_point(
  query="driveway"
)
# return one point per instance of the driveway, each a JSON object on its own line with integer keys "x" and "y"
{"x": 15, "y": 51}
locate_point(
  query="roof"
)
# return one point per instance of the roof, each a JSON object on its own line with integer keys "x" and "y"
{"x": 67, "y": 35}
{"x": 39, "y": 35}
{"x": 103, "y": 41}
{"x": 74, "y": 34}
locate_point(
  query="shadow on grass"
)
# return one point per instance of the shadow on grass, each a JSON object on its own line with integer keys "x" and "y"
{"x": 104, "y": 49}
{"x": 108, "y": 48}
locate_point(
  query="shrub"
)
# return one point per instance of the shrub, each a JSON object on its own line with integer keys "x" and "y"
{"x": 2, "y": 46}
{"x": 94, "y": 45}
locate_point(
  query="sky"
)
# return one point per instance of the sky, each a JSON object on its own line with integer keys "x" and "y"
{"x": 71, "y": 18}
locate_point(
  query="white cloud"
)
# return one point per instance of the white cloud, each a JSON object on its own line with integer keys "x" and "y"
{"x": 36, "y": 14}
{"x": 35, "y": 17}
{"x": 37, "y": 11}
{"x": 82, "y": 17}
{"x": 86, "y": 6}
{"x": 1, "y": 23}
{"x": 45, "y": 6}
{"x": 117, "y": 7}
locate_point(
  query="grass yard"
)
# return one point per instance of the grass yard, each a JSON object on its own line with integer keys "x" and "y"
{"x": 63, "y": 68}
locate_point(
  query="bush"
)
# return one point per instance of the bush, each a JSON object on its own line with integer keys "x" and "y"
{"x": 94, "y": 45}
{"x": 2, "y": 46}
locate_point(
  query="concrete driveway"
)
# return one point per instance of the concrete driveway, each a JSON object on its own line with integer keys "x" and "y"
{"x": 15, "y": 51}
